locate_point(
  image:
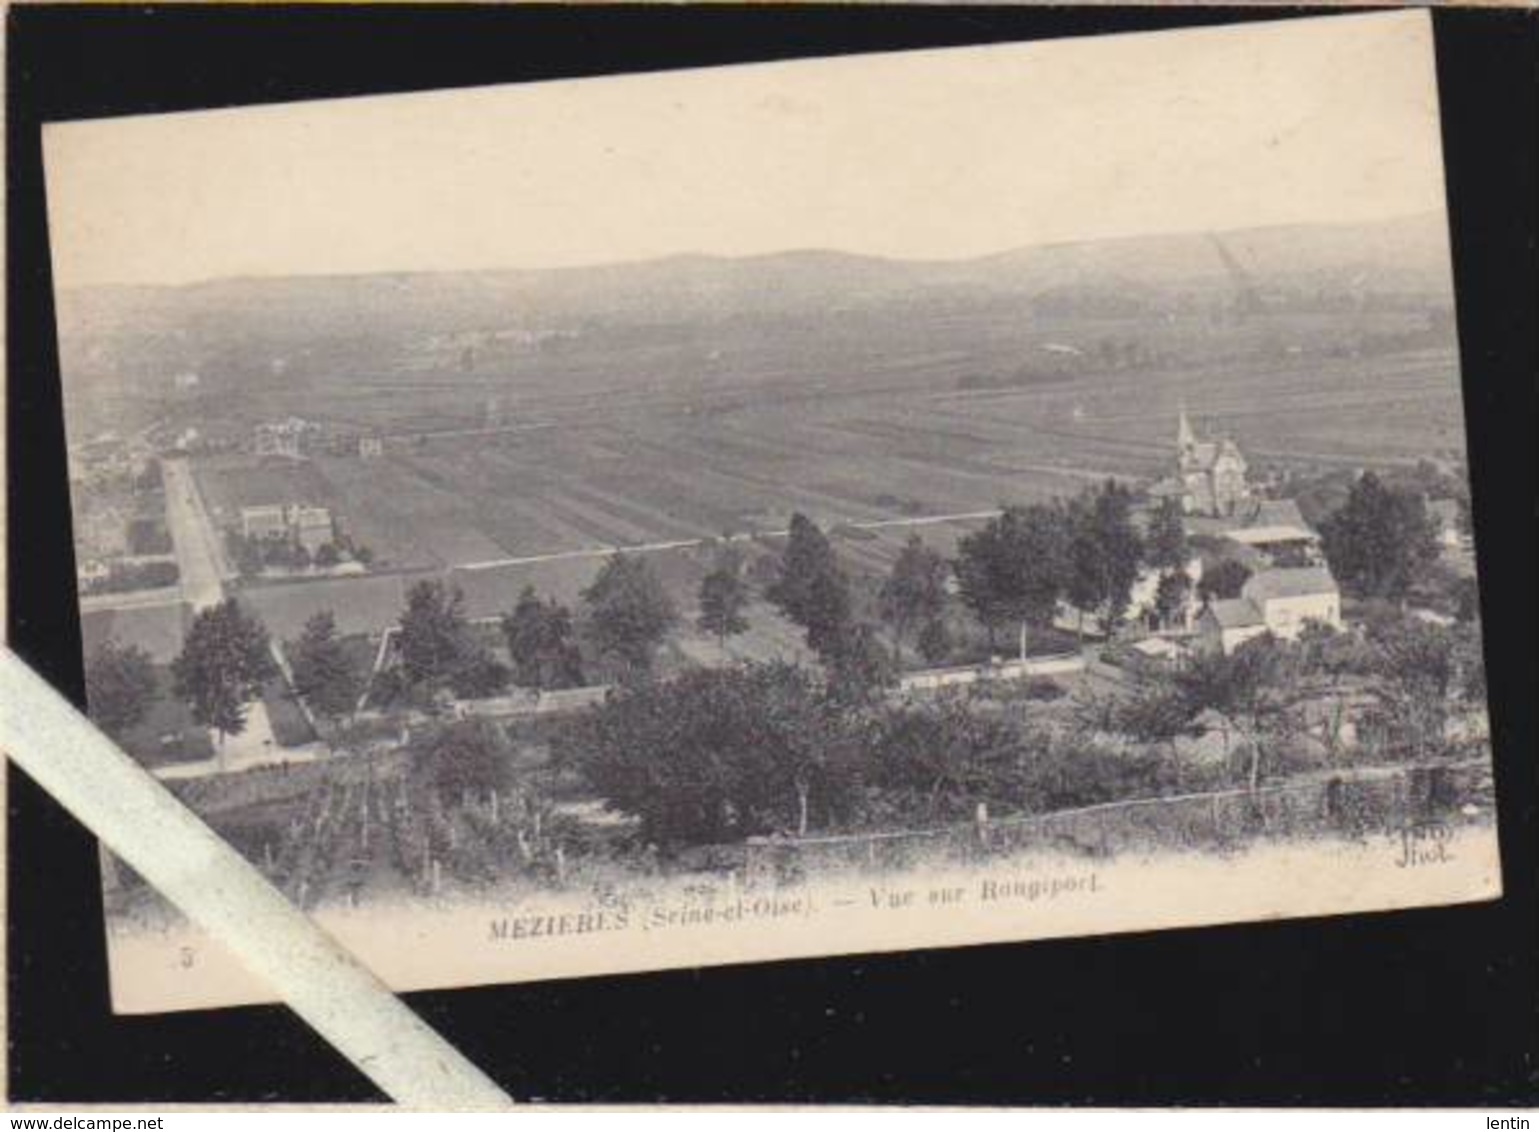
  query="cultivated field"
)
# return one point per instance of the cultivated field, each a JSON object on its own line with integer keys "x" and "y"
{"x": 622, "y": 472}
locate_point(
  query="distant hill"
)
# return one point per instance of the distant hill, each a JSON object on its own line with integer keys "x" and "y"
{"x": 712, "y": 319}
{"x": 1402, "y": 256}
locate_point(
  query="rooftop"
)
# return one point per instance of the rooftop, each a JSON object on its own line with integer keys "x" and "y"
{"x": 1276, "y": 513}
{"x": 1295, "y": 581}
{"x": 1254, "y": 536}
{"x": 1235, "y": 613}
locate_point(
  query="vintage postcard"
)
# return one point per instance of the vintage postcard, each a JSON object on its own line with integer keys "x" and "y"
{"x": 820, "y": 507}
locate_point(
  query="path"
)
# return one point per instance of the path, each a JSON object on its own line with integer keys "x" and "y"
{"x": 193, "y": 537}
{"x": 132, "y": 599}
{"x": 691, "y": 543}
{"x": 242, "y": 753}
{"x": 203, "y": 571}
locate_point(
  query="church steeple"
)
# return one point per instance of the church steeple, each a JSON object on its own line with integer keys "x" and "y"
{"x": 1185, "y": 438}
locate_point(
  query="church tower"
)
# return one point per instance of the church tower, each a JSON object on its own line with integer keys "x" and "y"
{"x": 1186, "y": 439}
{"x": 1211, "y": 473}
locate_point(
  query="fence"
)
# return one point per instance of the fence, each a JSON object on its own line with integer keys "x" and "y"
{"x": 931, "y": 678}
{"x": 1350, "y": 804}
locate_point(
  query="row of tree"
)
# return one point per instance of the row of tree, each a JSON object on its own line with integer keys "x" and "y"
{"x": 254, "y": 554}
{"x": 627, "y": 614}
{"x": 1012, "y": 573}
{"x": 716, "y": 755}
{"x": 1410, "y": 674}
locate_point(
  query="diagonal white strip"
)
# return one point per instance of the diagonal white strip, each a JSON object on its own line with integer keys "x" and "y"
{"x": 193, "y": 867}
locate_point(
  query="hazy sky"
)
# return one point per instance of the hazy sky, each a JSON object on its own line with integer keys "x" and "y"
{"x": 932, "y": 154}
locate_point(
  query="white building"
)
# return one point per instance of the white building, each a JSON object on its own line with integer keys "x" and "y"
{"x": 1280, "y": 602}
{"x": 268, "y": 520}
{"x": 284, "y": 438}
{"x": 311, "y": 526}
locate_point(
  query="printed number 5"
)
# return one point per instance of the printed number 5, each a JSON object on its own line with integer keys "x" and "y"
{"x": 188, "y": 957}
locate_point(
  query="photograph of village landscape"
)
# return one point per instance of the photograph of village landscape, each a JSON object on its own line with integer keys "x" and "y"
{"x": 746, "y": 569}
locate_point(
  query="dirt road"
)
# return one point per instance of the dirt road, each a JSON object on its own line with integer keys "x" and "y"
{"x": 193, "y": 536}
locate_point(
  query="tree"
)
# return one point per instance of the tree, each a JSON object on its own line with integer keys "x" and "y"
{"x": 723, "y": 597}
{"x": 1170, "y": 595}
{"x": 277, "y": 552}
{"x": 433, "y": 637}
{"x": 1014, "y": 569}
{"x": 479, "y": 675}
{"x": 1165, "y": 546}
{"x": 939, "y": 756}
{"x": 465, "y": 756}
{"x": 1331, "y": 653}
{"x": 629, "y": 613}
{"x": 542, "y": 644}
{"x": 120, "y": 686}
{"x": 828, "y": 614}
{"x": 1470, "y": 664}
{"x": 1248, "y": 687}
{"x": 1157, "y": 713}
{"x": 1419, "y": 672}
{"x": 1105, "y": 551}
{"x": 437, "y": 651}
{"x": 1223, "y": 581}
{"x": 935, "y": 641}
{"x": 857, "y": 664}
{"x": 718, "y": 754}
{"x": 810, "y": 589}
{"x": 983, "y": 570}
{"x": 914, "y": 594}
{"x": 326, "y": 555}
{"x": 1380, "y": 541}
{"x": 222, "y": 666}
{"x": 247, "y": 553}
{"x": 324, "y": 675}
{"x": 806, "y": 563}
{"x": 1166, "y": 550}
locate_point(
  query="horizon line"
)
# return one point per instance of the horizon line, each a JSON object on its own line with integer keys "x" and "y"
{"x": 663, "y": 257}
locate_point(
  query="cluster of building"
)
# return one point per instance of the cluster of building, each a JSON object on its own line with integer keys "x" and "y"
{"x": 309, "y": 527}
{"x": 297, "y": 439}
{"x": 1289, "y": 585}
{"x": 107, "y": 460}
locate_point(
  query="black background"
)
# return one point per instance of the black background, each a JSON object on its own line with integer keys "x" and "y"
{"x": 1431, "y": 1007}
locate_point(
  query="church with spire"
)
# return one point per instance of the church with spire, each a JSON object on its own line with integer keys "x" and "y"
{"x": 1210, "y": 474}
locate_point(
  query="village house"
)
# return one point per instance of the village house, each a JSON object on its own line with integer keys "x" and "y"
{"x": 91, "y": 571}
{"x": 312, "y": 527}
{"x": 309, "y": 527}
{"x": 371, "y": 447}
{"x": 1278, "y": 601}
{"x": 283, "y": 438}
{"x": 1273, "y": 533}
{"x": 266, "y": 521}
